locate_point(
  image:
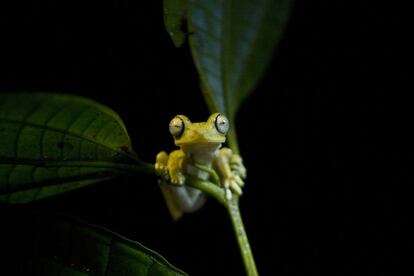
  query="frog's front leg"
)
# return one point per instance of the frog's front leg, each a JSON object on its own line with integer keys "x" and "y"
{"x": 171, "y": 167}
{"x": 231, "y": 169}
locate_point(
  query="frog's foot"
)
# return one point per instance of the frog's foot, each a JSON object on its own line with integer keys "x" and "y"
{"x": 232, "y": 185}
{"x": 161, "y": 167}
{"x": 177, "y": 178}
{"x": 237, "y": 167}
{"x": 232, "y": 170}
{"x": 169, "y": 167}
{"x": 176, "y": 167}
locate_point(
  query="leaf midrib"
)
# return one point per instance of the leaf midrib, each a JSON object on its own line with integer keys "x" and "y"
{"x": 71, "y": 163}
{"x": 79, "y": 136}
{"x": 227, "y": 42}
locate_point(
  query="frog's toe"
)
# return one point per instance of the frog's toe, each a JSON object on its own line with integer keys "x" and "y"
{"x": 159, "y": 168}
{"x": 236, "y": 165}
{"x": 161, "y": 171}
{"x": 238, "y": 180}
{"x": 160, "y": 165}
{"x": 239, "y": 170}
{"x": 233, "y": 185}
{"x": 236, "y": 188}
{"x": 228, "y": 194}
{"x": 177, "y": 179}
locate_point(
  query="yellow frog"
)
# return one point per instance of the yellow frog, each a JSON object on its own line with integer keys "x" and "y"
{"x": 200, "y": 154}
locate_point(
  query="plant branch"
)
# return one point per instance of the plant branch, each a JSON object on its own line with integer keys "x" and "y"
{"x": 232, "y": 207}
{"x": 238, "y": 226}
{"x": 208, "y": 187}
{"x": 232, "y": 139}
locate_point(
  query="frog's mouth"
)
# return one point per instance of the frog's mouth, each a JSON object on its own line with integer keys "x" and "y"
{"x": 200, "y": 142}
{"x": 194, "y": 137}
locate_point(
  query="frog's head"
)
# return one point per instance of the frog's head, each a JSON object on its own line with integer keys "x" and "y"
{"x": 213, "y": 131}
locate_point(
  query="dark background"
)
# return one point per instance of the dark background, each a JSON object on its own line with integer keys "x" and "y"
{"x": 323, "y": 135}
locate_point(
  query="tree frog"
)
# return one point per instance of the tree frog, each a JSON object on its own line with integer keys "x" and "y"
{"x": 201, "y": 154}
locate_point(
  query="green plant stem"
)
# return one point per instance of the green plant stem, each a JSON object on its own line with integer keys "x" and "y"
{"x": 209, "y": 188}
{"x": 245, "y": 250}
{"x": 232, "y": 207}
{"x": 232, "y": 140}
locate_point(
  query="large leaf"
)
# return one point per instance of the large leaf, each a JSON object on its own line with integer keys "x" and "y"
{"x": 59, "y": 245}
{"x": 231, "y": 42}
{"x": 174, "y": 15}
{"x": 52, "y": 143}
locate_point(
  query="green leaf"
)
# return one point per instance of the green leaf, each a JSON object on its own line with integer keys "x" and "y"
{"x": 60, "y": 245}
{"x": 232, "y": 43}
{"x": 174, "y": 15}
{"x": 53, "y": 143}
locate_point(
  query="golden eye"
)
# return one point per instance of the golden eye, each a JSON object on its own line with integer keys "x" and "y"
{"x": 222, "y": 124}
{"x": 176, "y": 126}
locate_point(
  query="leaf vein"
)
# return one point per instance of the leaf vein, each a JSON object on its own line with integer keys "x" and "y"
{"x": 43, "y": 130}
{"x": 79, "y": 136}
{"x": 16, "y": 144}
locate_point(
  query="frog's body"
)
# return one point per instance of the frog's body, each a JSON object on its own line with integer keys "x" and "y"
{"x": 200, "y": 153}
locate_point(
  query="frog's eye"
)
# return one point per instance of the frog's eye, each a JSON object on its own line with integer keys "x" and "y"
{"x": 222, "y": 124}
{"x": 176, "y": 126}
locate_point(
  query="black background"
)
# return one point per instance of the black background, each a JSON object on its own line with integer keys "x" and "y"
{"x": 323, "y": 135}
